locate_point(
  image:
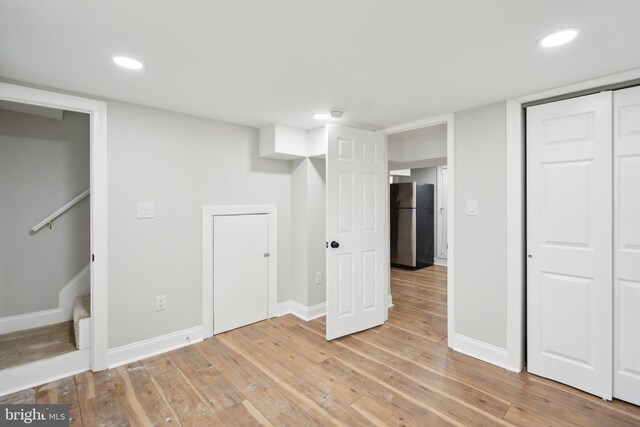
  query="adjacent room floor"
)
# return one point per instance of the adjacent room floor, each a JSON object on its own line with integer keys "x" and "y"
{"x": 283, "y": 372}
{"x": 30, "y": 345}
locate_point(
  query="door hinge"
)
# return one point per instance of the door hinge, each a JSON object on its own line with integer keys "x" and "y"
{"x": 266, "y": 254}
{"x": 326, "y": 244}
{"x": 93, "y": 258}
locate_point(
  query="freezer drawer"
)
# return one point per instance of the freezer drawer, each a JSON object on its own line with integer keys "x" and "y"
{"x": 403, "y": 237}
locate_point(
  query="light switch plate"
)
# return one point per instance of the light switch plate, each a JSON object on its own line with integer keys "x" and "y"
{"x": 319, "y": 278}
{"x": 146, "y": 210}
{"x": 161, "y": 302}
{"x": 472, "y": 207}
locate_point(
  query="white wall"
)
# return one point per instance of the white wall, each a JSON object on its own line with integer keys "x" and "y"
{"x": 308, "y": 230}
{"x": 480, "y": 241}
{"x": 44, "y": 163}
{"x": 180, "y": 163}
{"x": 316, "y": 218}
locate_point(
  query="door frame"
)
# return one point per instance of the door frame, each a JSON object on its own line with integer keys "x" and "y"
{"x": 516, "y": 193}
{"x": 97, "y": 111}
{"x": 448, "y": 120}
{"x": 208, "y": 212}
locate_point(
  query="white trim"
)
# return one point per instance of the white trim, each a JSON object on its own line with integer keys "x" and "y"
{"x": 447, "y": 119}
{"x": 79, "y": 285}
{"x": 389, "y": 301}
{"x": 585, "y": 85}
{"x": 480, "y": 350}
{"x": 439, "y": 231}
{"x": 43, "y": 371}
{"x": 515, "y": 235}
{"x": 440, "y": 261}
{"x": 97, "y": 111}
{"x": 418, "y": 124}
{"x": 142, "y": 349}
{"x": 303, "y": 312}
{"x": 208, "y": 212}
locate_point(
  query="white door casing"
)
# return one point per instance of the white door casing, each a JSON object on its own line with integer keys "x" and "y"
{"x": 626, "y": 116}
{"x": 240, "y": 270}
{"x": 442, "y": 240}
{"x": 569, "y": 242}
{"x": 357, "y": 270}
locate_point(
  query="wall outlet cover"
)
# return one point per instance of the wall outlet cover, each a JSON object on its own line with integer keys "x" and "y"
{"x": 319, "y": 278}
{"x": 161, "y": 302}
{"x": 472, "y": 207}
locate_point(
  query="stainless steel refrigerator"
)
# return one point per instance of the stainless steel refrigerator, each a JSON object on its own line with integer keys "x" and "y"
{"x": 412, "y": 228}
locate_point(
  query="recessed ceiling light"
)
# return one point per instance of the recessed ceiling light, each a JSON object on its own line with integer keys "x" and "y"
{"x": 321, "y": 116}
{"x": 559, "y": 37}
{"x": 128, "y": 63}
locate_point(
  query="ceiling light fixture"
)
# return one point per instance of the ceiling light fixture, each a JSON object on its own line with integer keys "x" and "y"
{"x": 128, "y": 63}
{"x": 558, "y": 38}
{"x": 326, "y": 116}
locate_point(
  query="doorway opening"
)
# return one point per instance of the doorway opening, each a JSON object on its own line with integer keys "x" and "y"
{"x": 45, "y": 243}
{"x": 53, "y": 321}
{"x": 419, "y": 228}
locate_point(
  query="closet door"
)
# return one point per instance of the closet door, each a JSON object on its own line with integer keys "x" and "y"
{"x": 627, "y": 245}
{"x": 569, "y": 242}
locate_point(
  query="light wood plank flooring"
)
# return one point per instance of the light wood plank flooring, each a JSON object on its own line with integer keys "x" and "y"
{"x": 22, "y": 347}
{"x": 283, "y": 372}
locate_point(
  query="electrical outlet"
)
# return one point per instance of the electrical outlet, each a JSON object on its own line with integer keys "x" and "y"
{"x": 161, "y": 302}
{"x": 319, "y": 278}
{"x": 472, "y": 207}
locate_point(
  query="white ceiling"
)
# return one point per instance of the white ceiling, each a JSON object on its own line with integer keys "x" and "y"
{"x": 256, "y": 62}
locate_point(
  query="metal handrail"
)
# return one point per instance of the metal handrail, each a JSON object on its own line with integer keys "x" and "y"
{"x": 49, "y": 220}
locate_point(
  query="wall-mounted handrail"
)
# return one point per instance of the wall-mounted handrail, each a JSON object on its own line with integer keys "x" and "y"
{"x": 49, "y": 220}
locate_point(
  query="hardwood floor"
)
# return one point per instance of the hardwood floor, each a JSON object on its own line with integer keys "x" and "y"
{"x": 283, "y": 372}
{"x": 22, "y": 347}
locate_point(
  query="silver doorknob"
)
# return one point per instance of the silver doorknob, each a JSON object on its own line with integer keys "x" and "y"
{"x": 530, "y": 256}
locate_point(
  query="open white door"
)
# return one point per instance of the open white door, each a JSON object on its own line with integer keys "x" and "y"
{"x": 357, "y": 265}
{"x": 627, "y": 245}
{"x": 569, "y": 223}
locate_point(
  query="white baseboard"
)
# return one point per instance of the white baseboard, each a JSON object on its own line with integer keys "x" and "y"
{"x": 153, "y": 346}
{"x": 79, "y": 285}
{"x": 389, "y": 301}
{"x": 44, "y": 371}
{"x": 481, "y": 350}
{"x": 304, "y": 312}
{"x": 440, "y": 261}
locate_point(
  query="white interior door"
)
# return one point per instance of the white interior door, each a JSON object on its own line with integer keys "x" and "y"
{"x": 569, "y": 240}
{"x": 443, "y": 241}
{"x": 627, "y": 245}
{"x": 357, "y": 269}
{"x": 240, "y": 271}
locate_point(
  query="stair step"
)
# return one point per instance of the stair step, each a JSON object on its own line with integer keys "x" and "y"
{"x": 81, "y": 310}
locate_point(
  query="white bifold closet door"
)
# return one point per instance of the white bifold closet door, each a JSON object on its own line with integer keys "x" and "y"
{"x": 569, "y": 242}
{"x": 627, "y": 245}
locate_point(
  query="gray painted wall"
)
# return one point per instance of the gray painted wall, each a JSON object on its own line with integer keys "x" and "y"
{"x": 180, "y": 163}
{"x": 480, "y": 241}
{"x": 44, "y": 163}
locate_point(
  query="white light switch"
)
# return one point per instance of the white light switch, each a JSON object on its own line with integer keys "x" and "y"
{"x": 319, "y": 278}
{"x": 146, "y": 210}
{"x": 472, "y": 207}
